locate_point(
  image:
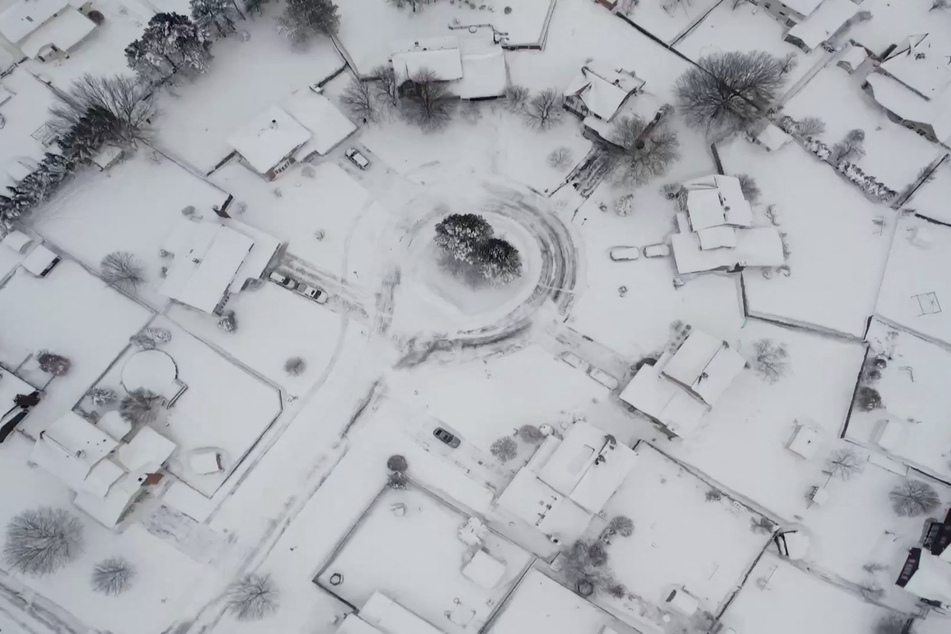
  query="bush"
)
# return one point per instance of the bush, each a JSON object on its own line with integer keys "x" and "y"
{"x": 585, "y": 568}
{"x": 624, "y": 205}
{"x": 227, "y": 322}
{"x": 54, "y": 364}
{"x": 112, "y": 576}
{"x": 397, "y": 463}
{"x": 504, "y": 449}
{"x": 530, "y": 434}
{"x": 868, "y": 399}
{"x": 396, "y": 480}
{"x": 122, "y": 270}
{"x": 150, "y": 338}
{"x": 252, "y": 597}
{"x": 139, "y": 407}
{"x": 102, "y": 396}
{"x": 622, "y": 525}
{"x": 295, "y": 366}
{"x": 42, "y": 541}
{"x": 750, "y": 189}
{"x": 913, "y": 498}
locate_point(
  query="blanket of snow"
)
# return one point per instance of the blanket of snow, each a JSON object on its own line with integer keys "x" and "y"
{"x": 931, "y": 199}
{"x": 893, "y": 21}
{"x": 829, "y": 287}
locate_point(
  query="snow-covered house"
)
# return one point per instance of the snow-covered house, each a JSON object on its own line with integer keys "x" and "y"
{"x": 25, "y": 135}
{"x": 269, "y": 141}
{"x": 440, "y": 56}
{"x": 600, "y": 90}
{"x": 473, "y": 68}
{"x": 928, "y": 576}
{"x": 44, "y": 29}
{"x": 821, "y": 24}
{"x": 386, "y": 615}
{"x": 327, "y": 125}
{"x": 769, "y": 136}
{"x": 790, "y": 12}
{"x": 914, "y": 84}
{"x": 685, "y": 382}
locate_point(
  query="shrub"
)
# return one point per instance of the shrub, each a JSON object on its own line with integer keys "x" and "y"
{"x": 530, "y": 433}
{"x": 150, "y": 338}
{"x": 713, "y": 495}
{"x": 252, "y": 597}
{"x": 624, "y": 205}
{"x": 516, "y": 96}
{"x": 560, "y": 157}
{"x": 54, "y": 364}
{"x": 139, "y": 407}
{"x": 396, "y": 480}
{"x": 750, "y": 189}
{"x": 42, "y": 541}
{"x": 295, "y": 366}
{"x": 397, "y": 463}
{"x": 868, "y": 399}
{"x": 227, "y": 322}
{"x": 112, "y": 576}
{"x": 585, "y": 568}
{"x": 504, "y": 449}
{"x": 102, "y": 396}
{"x": 622, "y": 525}
{"x": 122, "y": 270}
{"x": 913, "y": 498}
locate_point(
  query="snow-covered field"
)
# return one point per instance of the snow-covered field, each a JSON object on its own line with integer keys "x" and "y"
{"x": 930, "y": 200}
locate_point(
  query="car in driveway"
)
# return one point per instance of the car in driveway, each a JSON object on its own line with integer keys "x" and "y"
{"x": 574, "y": 361}
{"x": 445, "y": 437}
{"x": 659, "y": 250}
{"x": 624, "y": 254}
{"x": 282, "y": 280}
{"x": 355, "y": 157}
{"x": 603, "y": 378}
{"x": 313, "y": 293}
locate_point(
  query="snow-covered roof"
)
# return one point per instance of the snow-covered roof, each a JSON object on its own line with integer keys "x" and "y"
{"x": 772, "y": 137}
{"x": 716, "y": 200}
{"x": 932, "y": 579}
{"x": 391, "y": 617}
{"x": 39, "y": 260}
{"x": 756, "y": 246}
{"x": 483, "y": 71}
{"x": 200, "y": 274}
{"x": 603, "y": 89}
{"x": 794, "y": 544}
{"x": 705, "y": 209}
{"x": 102, "y": 477}
{"x": 717, "y": 237}
{"x": 26, "y": 16}
{"x": 146, "y": 452}
{"x": 25, "y": 108}
{"x": 71, "y": 447}
{"x": 705, "y": 365}
{"x": 922, "y": 65}
{"x": 439, "y": 55}
{"x": 804, "y": 441}
{"x": 64, "y": 31}
{"x": 269, "y": 138}
{"x": 328, "y": 126}
{"x": 537, "y": 504}
{"x": 805, "y": 7}
{"x": 664, "y": 401}
{"x": 353, "y": 624}
{"x": 484, "y": 570}
{"x": 106, "y": 156}
{"x": 17, "y": 241}
{"x": 108, "y": 509}
{"x": 853, "y": 56}
{"x": 823, "y": 22}
{"x": 265, "y": 245}
{"x": 898, "y": 99}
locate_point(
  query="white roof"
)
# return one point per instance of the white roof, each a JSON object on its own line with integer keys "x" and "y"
{"x": 146, "y": 452}
{"x": 269, "y": 138}
{"x": 64, "y": 32}
{"x": 773, "y": 137}
{"x": 736, "y": 209}
{"x": 603, "y": 89}
{"x": 823, "y": 22}
{"x": 205, "y": 461}
{"x": 795, "y": 544}
{"x": 663, "y": 400}
{"x": 922, "y": 65}
{"x": 71, "y": 447}
{"x": 805, "y": 7}
{"x": 683, "y": 601}
{"x": 897, "y": 98}
{"x": 804, "y": 441}
{"x": 182, "y": 497}
{"x": 200, "y": 275}
{"x": 102, "y": 477}
{"x": 108, "y": 510}
{"x": 26, "y": 16}
{"x": 106, "y": 156}
{"x": 439, "y": 55}
{"x": 717, "y": 237}
{"x": 24, "y": 104}
{"x": 352, "y": 624}
{"x": 705, "y": 365}
{"x": 853, "y": 56}
{"x": 328, "y": 126}
{"x": 113, "y": 424}
{"x": 756, "y": 246}
{"x": 483, "y": 71}
{"x": 391, "y": 617}
{"x": 39, "y": 260}
{"x": 534, "y": 502}
{"x": 484, "y": 570}
{"x": 715, "y": 200}
{"x": 932, "y": 580}
{"x": 705, "y": 209}
{"x": 16, "y": 240}
{"x": 265, "y": 245}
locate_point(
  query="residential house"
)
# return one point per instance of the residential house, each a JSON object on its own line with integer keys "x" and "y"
{"x": 790, "y": 12}
{"x": 926, "y": 572}
{"x": 44, "y": 29}
{"x": 269, "y": 141}
{"x": 600, "y": 91}
{"x": 327, "y": 125}
{"x": 825, "y": 21}
{"x": 768, "y": 136}
{"x": 25, "y": 134}
{"x": 913, "y": 83}
{"x": 473, "y": 68}
{"x": 684, "y": 383}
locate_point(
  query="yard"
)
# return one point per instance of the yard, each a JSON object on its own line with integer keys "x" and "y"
{"x": 931, "y": 199}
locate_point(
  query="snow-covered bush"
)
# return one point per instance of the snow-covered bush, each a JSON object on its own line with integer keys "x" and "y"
{"x": 560, "y": 157}
{"x": 151, "y": 337}
{"x": 913, "y": 498}
{"x": 54, "y": 364}
{"x": 295, "y": 366}
{"x": 113, "y": 576}
{"x": 621, "y": 525}
{"x": 504, "y": 449}
{"x": 397, "y": 463}
{"x": 252, "y": 597}
{"x": 102, "y": 396}
{"x": 303, "y": 19}
{"x": 42, "y": 541}
{"x": 139, "y": 407}
{"x": 624, "y": 206}
{"x": 530, "y": 434}
{"x": 868, "y": 399}
{"x": 227, "y": 322}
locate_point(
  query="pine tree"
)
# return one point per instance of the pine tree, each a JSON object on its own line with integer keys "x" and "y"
{"x": 221, "y": 15}
{"x": 302, "y": 19}
{"x": 499, "y": 260}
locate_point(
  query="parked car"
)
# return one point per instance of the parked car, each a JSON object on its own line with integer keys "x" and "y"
{"x": 659, "y": 250}
{"x": 312, "y": 293}
{"x": 357, "y": 159}
{"x": 603, "y": 378}
{"x": 574, "y": 361}
{"x": 282, "y": 280}
{"x": 446, "y": 437}
{"x": 624, "y": 254}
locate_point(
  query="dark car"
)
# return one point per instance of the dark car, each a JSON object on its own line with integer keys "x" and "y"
{"x": 446, "y": 437}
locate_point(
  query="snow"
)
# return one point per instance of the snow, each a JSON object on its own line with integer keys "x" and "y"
{"x": 268, "y": 138}
{"x": 26, "y": 16}
{"x": 327, "y": 125}
{"x": 440, "y": 56}
{"x": 64, "y": 32}
{"x": 823, "y": 22}
{"x": 39, "y": 261}
{"x": 484, "y": 73}
{"x": 805, "y": 7}
{"x": 917, "y": 64}
{"x": 932, "y": 579}
{"x": 529, "y": 499}
{"x": 603, "y": 89}
{"x": 930, "y": 200}
{"x": 394, "y": 618}
{"x": 893, "y": 22}
{"x": 897, "y": 98}
{"x": 71, "y": 447}
{"x": 151, "y": 370}
{"x": 24, "y": 114}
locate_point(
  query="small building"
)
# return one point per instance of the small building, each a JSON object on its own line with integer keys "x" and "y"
{"x": 17, "y": 241}
{"x": 685, "y": 383}
{"x": 327, "y": 125}
{"x": 44, "y": 29}
{"x": 269, "y": 141}
{"x": 828, "y": 18}
{"x": 40, "y": 261}
{"x": 769, "y": 136}
{"x": 600, "y": 91}
{"x": 790, "y": 12}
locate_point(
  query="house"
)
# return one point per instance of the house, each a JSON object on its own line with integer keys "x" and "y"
{"x": 928, "y": 577}
{"x": 484, "y": 74}
{"x": 473, "y": 68}
{"x": 684, "y": 383}
{"x": 828, "y": 18}
{"x": 600, "y": 91}
{"x": 40, "y": 261}
{"x": 913, "y": 84}
{"x": 852, "y": 57}
{"x": 328, "y": 126}
{"x": 769, "y": 136}
{"x": 44, "y": 29}
{"x": 269, "y": 141}
{"x": 440, "y": 56}
{"x": 790, "y": 12}
{"x": 25, "y": 134}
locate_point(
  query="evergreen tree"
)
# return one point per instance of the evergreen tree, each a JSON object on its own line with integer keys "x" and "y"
{"x": 460, "y": 234}
{"x": 220, "y": 15}
{"x": 499, "y": 261}
{"x": 302, "y": 19}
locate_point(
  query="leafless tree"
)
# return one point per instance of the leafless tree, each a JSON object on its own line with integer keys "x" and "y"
{"x": 505, "y": 448}
{"x": 844, "y": 464}
{"x": 810, "y": 126}
{"x": 788, "y": 63}
{"x": 770, "y": 360}
{"x": 850, "y": 148}
{"x": 387, "y": 91}
{"x": 41, "y": 541}
{"x": 669, "y": 6}
{"x": 359, "y": 101}
{"x": 940, "y": 4}
{"x": 122, "y": 270}
{"x": 426, "y": 101}
{"x": 544, "y": 110}
{"x": 139, "y": 407}
{"x": 252, "y": 597}
{"x": 726, "y": 92}
{"x": 516, "y": 96}
{"x": 750, "y": 189}
{"x": 585, "y": 568}
{"x": 560, "y": 157}
{"x": 644, "y": 153}
{"x": 113, "y": 576}
{"x": 913, "y": 498}
{"x": 127, "y": 106}
{"x": 295, "y": 366}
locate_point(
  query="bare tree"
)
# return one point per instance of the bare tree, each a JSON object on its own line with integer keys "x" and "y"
{"x": 585, "y": 568}
{"x": 770, "y": 360}
{"x": 560, "y": 157}
{"x": 359, "y": 101}
{"x": 426, "y": 101}
{"x": 788, "y": 63}
{"x": 544, "y": 110}
{"x": 644, "y": 153}
{"x": 139, "y": 407}
{"x": 913, "y": 498}
{"x": 303, "y": 19}
{"x": 850, "y": 148}
{"x": 844, "y": 464}
{"x": 504, "y": 449}
{"x": 940, "y": 4}
{"x": 126, "y": 106}
{"x": 750, "y": 189}
{"x": 810, "y": 127}
{"x": 516, "y": 96}
{"x": 41, "y": 541}
{"x": 113, "y": 576}
{"x": 726, "y": 92}
{"x": 295, "y": 366}
{"x": 122, "y": 270}
{"x": 387, "y": 89}
{"x": 252, "y": 597}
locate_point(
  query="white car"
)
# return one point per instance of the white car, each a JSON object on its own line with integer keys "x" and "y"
{"x": 313, "y": 293}
{"x": 282, "y": 280}
{"x": 603, "y": 378}
{"x": 357, "y": 159}
{"x": 659, "y": 250}
{"x": 574, "y": 361}
{"x": 623, "y": 254}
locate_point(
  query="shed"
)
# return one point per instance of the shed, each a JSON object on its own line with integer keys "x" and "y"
{"x": 40, "y": 261}
{"x": 772, "y": 137}
{"x": 60, "y": 34}
{"x": 107, "y": 157}
{"x": 17, "y": 241}
{"x": 804, "y": 442}
{"x": 682, "y": 602}
{"x": 484, "y": 570}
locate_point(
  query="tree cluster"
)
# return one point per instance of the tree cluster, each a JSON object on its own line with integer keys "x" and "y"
{"x": 171, "y": 43}
{"x": 304, "y": 19}
{"x": 472, "y": 250}
{"x": 221, "y": 16}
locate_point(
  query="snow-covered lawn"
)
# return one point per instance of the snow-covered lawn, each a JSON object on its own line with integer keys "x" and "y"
{"x": 746, "y": 28}
{"x": 98, "y": 213}
{"x": 931, "y": 199}
{"x": 837, "y": 239}
{"x": 70, "y": 313}
{"x": 370, "y": 28}
{"x": 781, "y": 599}
{"x": 743, "y": 441}
{"x": 225, "y": 407}
{"x": 894, "y": 154}
{"x": 681, "y": 538}
{"x": 274, "y": 325}
{"x": 387, "y": 549}
{"x": 666, "y": 24}
{"x": 244, "y": 78}
{"x": 916, "y": 290}
{"x": 915, "y": 401}
{"x": 893, "y": 21}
